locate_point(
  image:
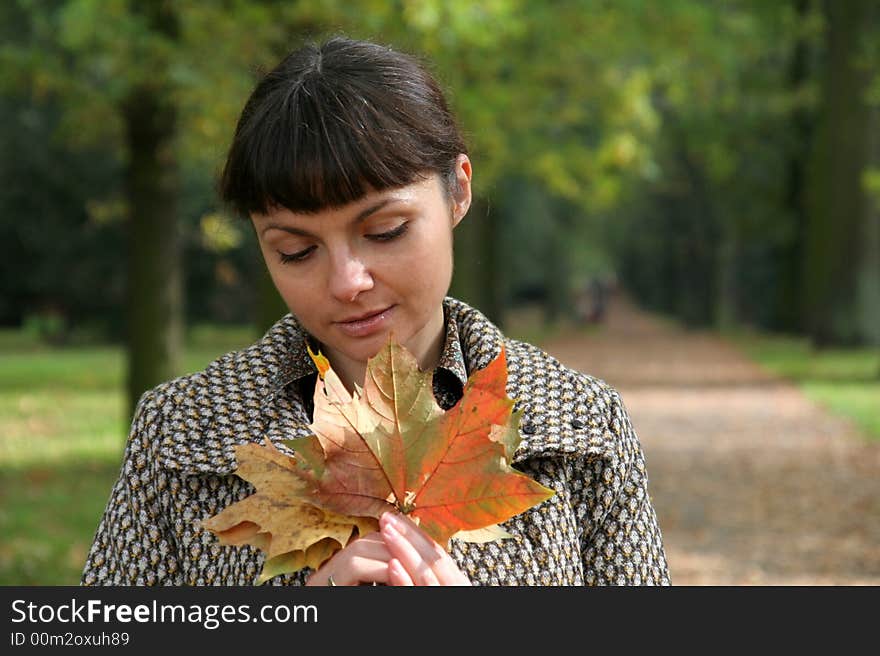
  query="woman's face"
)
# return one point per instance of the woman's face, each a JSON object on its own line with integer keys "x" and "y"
{"x": 383, "y": 264}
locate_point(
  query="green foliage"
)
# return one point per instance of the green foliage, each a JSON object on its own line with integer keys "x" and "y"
{"x": 670, "y": 136}
{"x": 56, "y": 260}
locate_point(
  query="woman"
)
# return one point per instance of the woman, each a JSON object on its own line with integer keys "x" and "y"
{"x": 349, "y": 164}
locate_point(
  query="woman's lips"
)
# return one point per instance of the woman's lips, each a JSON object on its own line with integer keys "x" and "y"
{"x": 366, "y": 325}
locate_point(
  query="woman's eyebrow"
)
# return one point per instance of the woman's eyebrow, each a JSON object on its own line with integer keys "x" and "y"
{"x": 363, "y": 214}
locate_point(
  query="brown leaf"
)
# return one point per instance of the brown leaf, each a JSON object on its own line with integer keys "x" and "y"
{"x": 279, "y": 518}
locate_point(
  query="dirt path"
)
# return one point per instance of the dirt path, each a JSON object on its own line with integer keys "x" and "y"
{"x": 753, "y": 483}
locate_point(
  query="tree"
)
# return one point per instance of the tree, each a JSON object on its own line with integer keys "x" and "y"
{"x": 840, "y": 212}
{"x": 155, "y": 302}
{"x": 133, "y": 80}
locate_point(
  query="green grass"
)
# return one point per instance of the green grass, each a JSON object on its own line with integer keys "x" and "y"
{"x": 845, "y": 381}
{"x": 62, "y": 431}
{"x": 48, "y": 516}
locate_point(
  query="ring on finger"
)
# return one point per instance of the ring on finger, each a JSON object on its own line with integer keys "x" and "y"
{"x": 331, "y": 582}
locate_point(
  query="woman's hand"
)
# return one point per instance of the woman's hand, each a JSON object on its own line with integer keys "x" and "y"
{"x": 415, "y": 559}
{"x": 399, "y": 554}
{"x": 364, "y": 560}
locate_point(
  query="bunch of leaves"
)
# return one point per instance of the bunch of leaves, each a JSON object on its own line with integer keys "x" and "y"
{"x": 386, "y": 446}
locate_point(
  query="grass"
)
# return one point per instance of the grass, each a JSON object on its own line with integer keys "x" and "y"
{"x": 62, "y": 431}
{"x": 48, "y": 516}
{"x": 844, "y": 381}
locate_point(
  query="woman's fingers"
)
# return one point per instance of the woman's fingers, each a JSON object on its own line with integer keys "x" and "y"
{"x": 365, "y": 560}
{"x": 397, "y": 574}
{"x": 417, "y": 563}
{"x": 413, "y": 534}
{"x": 400, "y": 554}
{"x": 424, "y": 561}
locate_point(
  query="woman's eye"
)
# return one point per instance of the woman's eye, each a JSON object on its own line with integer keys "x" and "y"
{"x": 299, "y": 256}
{"x": 390, "y": 234}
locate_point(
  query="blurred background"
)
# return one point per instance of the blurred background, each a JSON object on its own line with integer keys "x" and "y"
{"x": 681, "y": 197}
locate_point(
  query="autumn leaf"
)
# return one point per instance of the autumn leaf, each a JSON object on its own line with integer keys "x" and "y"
{"x": 382, "y": 447}
{"x": 321, "y": 361}
{"x": 389, "y": 446}
{"x": 278, "y": 518}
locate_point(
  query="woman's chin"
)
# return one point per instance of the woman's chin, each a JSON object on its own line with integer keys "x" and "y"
{"x": 359, "y": 350}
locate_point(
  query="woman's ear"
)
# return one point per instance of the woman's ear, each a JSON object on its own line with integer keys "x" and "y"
{"x": 461, "y": 193}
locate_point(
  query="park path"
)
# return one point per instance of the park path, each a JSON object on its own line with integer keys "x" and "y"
{"x": 753, "y": 483}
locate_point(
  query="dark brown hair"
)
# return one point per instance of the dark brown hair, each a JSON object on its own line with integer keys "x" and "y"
{"x": 331, "y": 122}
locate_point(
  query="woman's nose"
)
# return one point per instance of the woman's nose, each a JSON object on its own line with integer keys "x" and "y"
{"x": 349, "y": 277}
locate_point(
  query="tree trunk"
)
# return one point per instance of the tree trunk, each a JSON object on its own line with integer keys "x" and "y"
{"x": 155, "y": 296}
{"x": 476, "y": 278}
{"x": 727, "y": 305}
{"x": 838, "y": 207}
{"x": 868, "y": 285}
{"x": 789, "y": 310}
{"x": 155, "y": 286}
{"x": 697, "y": 238}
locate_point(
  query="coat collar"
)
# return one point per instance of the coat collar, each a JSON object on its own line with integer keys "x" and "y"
{"x": 294, "y": 362}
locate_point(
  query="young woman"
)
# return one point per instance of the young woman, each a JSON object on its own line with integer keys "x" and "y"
{"x": 350, "y": 166}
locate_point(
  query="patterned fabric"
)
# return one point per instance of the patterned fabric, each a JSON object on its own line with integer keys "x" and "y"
{"x": 599, "y": 528}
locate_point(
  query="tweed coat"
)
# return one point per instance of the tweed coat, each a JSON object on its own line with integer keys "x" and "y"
{"x": 600, "y": 528}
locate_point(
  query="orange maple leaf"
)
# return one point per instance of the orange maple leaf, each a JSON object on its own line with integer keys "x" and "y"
{"x": 390, "y": 446}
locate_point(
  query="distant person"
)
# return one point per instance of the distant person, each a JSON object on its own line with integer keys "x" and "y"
{"x": 599, "y": 296}
{"x": 591, "y": 301}
{"x": 352, "y": 171}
